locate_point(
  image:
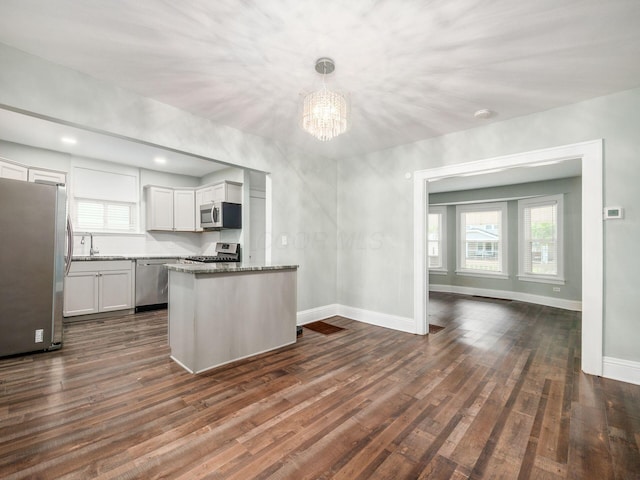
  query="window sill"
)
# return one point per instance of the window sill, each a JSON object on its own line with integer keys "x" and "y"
{"x": 497, "y": 275}
{"x": 541, "y": 279}
{"x": 438, "y": 272}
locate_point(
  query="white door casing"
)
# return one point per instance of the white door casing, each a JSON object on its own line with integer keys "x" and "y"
{"x": 591, "y": 156}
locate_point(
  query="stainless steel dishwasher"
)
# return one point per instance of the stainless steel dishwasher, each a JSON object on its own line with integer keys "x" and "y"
{"x": 152, "y": 281}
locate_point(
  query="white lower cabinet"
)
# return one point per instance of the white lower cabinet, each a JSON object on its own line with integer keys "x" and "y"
{"x": 98, "y": 286}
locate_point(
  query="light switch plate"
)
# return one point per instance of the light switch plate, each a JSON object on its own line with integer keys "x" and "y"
{"x": 613, "y": 212}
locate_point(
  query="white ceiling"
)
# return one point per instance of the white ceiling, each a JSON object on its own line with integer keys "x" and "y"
{"x": 413, "y": 69}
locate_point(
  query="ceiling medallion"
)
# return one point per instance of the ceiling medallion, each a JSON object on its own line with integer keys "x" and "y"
{"x": 325, "y": 113}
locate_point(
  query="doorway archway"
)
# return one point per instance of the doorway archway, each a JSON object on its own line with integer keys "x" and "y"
{"x": 591, "y": 156}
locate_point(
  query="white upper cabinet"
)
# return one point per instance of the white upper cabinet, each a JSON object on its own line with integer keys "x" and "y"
{"x": 37, "y": 175}
{"x": 205, "y": 195}
{"x": 183, "y": 207}
{"x": 228, "y": 192}
{"x": 170, "y": 209}
{"x": 178, "y": 209}
{"x": 17, "y": 171}
{"x": 13, "y": 171}
{"x": 159, "y": 208}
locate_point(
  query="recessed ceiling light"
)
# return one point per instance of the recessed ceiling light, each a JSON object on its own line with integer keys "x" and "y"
{"x": 484, "y": 113}
{"x": 68, "y": 140}
{"x": 160, "y": 160}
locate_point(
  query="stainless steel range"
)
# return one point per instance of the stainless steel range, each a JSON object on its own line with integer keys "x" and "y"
{"x": 225, "y": 252}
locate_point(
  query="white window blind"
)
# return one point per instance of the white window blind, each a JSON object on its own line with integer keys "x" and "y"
{"x": 541, "y": 237}
{"x": 95, "y": 215}
{"x": 482, "y": 238}
{"x": 105, "y": 201}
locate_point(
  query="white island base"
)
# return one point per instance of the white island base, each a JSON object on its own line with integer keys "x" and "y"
{"x": 219, "y": 314}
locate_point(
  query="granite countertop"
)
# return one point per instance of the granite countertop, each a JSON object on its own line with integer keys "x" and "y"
{"x": 84, "y": 258}
{"x": 200, "y": 268}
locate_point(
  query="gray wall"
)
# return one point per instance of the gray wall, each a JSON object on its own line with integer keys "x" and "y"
{"x": 375, "y": 196}
{"x": 570, "y": 187}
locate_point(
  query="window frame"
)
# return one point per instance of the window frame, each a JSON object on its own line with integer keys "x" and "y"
{"x": 132, "y": 199}
{"x": 133, "y": 216}
{"x": 442, "y": 212}
{"x": 503, "y": 241}
{"x": 528, "y": 276}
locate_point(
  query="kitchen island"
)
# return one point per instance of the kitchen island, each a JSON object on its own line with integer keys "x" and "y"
{"x": 222, "y": 312}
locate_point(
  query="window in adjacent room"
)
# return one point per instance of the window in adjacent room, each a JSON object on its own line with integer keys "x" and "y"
{"x": 105, "y": 201}
{"x": 436, "y": 245}
{"x": 540, "y": 227}
{"x": 482, "y": 239}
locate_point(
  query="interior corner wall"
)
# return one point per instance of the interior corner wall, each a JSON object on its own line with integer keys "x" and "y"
{"x": 375, "y": 206}
{"x": 304, "y": 185}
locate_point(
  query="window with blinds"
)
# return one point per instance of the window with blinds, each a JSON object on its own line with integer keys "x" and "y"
{"x": 540, "y": 238}
{"x": 105, "y": 201}
{"x": 436, "y": 239}
{"x": 481, "y": 239}
{"x": 95, "y": 215}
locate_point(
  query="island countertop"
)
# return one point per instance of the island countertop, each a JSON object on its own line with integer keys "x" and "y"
{"x": 224, "y": 267}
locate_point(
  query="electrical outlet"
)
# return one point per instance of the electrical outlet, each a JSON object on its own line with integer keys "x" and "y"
{"x": 285, "y": 240}
{"x": 39, "y": 335}
{"x": 556, "y": 289}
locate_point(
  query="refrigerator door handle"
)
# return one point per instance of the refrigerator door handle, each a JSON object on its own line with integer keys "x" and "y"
{"x": 69, "y": 246}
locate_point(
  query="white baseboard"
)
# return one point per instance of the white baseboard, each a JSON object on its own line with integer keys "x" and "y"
{"x": 404, "y": 324}
{"x": 318, "y": 313}
{"x": 622, "y": 370}
{"x": 565, "y": 304}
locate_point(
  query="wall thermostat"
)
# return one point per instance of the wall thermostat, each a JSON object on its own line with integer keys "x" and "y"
{"x": 613, "y": 212}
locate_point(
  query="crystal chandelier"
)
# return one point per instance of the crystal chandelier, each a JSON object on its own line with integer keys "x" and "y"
{"x": 325, "y": 113}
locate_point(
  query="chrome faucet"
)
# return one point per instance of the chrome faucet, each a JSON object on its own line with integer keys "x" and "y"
{"x": 92, "y": 251}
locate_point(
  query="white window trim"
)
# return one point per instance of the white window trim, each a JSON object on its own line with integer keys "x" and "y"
{"x": 474, "y": 273}
{"x": 541, "y": 279}
{"x": 133, "y": 215}
{"x": 443, "y": 270}
{"x": 557, "y": 279}
{"x": 112, "y": 168}
{"x": 502, "y": 245}
{"x": 433, "y": 271}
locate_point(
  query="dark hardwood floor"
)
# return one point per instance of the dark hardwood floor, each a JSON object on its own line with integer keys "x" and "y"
{"x": 497, "y": 393}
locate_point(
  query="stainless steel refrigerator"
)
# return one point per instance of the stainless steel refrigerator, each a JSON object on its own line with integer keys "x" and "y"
{"x": 33, "y": 245}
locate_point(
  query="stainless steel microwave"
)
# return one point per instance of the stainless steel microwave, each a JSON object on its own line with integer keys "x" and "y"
{"x": 218, "y": 215}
